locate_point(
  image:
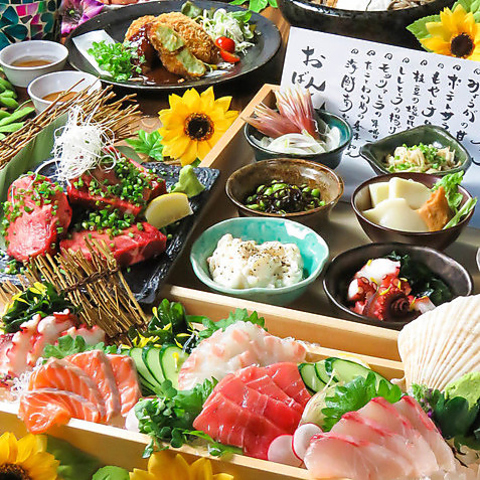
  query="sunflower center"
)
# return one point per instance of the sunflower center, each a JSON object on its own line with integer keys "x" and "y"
{"x": 462, "y": 45}
{"x": 9, "y": 471}
{"x": 199, "y": 127}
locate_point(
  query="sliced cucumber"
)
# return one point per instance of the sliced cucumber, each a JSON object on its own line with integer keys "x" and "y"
{"x": 171, "y": 359}
{"x": 321, "y": 372}
{"x": 347, "y": 370}
{"x": 146, "y": 378}
{"x": 152, "y": 358}
{"x": 310, "y": 378}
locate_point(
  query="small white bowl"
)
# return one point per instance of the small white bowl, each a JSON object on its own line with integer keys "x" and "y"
{"x": 60, "y": 82}
{"x": 54, "y": 52}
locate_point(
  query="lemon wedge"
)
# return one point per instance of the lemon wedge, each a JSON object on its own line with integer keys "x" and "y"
{"x": 167, "y": 209}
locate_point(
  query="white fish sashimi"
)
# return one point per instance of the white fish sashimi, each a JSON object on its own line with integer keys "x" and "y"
{"x": 383, "y": 412}
{"x": 411, "y": 410}
{"x": 239, "y": 345}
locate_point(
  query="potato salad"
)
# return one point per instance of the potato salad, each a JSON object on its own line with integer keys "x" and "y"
{"x": 240, "y": 264}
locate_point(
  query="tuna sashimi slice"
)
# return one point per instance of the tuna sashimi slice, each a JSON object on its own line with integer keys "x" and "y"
{"x": 281, "y": 415}
{"x": 62, "y": 375}
{"x": 363, "y": 429}
{"x": 383, "y": 412}
{"x": 287, "y": 377}
{"x": 44, "y": 408}
{"x": 126, "y": 380}
{"x": 230, "y": 424}
{"x": 411, "y": 410}
{"x": 96, "y": 364}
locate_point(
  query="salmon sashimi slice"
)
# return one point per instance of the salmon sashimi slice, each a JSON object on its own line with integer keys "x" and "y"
{"x": 284, "y": 417}
{"x": 231, "y": 424}
{"x": 383, "y": 412}
{"x": 42, "y": 409}
{"x": 126, "y": 379}
{"x": 63, "y": 375}
{"x": 96, "y": 364}
{"x": 412, "y": 411}
{"x": 287, "y": 377}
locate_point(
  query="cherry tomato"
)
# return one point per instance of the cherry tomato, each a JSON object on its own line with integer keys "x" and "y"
{"x": 225, "y": 43}
{"x": 229, "y": 57}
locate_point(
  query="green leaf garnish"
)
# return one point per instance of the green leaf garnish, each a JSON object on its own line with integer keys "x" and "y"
{"x": 68, "y": 345}
{"x": 419, "y": 27}
{"x": 149, "y": 144}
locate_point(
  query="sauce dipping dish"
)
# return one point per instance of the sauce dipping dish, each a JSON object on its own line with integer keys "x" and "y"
{"x": 56, "y": 82}
{"x": 32, "y": 52}
{"x": 313, "y": 250}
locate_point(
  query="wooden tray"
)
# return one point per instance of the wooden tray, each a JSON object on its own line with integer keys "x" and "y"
{"x": 116, "y": 446}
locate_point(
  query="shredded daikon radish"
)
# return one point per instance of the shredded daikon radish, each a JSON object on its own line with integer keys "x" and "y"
{"x": 80, "y": 145}
{"x": 302, "y": 143}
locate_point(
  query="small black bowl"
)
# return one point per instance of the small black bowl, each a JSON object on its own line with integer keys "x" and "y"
{"x": 330, "y": 159}
{"x": 388, "y": 26}
{"x": 343, "y": 267}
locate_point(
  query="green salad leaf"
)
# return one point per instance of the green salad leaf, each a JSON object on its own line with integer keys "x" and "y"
{"x": 120, "y": 60}
{"x": 354, "y": 395}
{"x": 149, "y": 144}
{"x": 68, "y": 345}
{"x": 169, "y": 417}
{"x": 40, "y": 298}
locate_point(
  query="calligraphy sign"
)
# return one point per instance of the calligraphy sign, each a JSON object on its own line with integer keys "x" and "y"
{"x": 382, "y": 89}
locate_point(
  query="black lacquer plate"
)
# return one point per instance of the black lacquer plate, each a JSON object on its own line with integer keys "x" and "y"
{"x": 145, "y": 278}
{"x": 116, "y": 22}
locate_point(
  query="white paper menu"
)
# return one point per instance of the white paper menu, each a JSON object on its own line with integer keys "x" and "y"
{"x": 381, "y": 89}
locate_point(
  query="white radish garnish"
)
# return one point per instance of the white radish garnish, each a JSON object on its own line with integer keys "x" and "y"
{"x": 301, "y": 438}
{"x": 281, "y": 451}
{"x": 131, "y": 421}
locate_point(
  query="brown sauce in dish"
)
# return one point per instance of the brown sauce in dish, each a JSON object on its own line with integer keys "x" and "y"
{"x": 144, "y": 48}
{"x": 39, "y": 62}
{"x": 159, "y": 75}
{"x": 51, "y": 97}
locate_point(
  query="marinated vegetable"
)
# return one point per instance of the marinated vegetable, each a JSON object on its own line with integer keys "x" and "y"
{"x": 281, "y": 198}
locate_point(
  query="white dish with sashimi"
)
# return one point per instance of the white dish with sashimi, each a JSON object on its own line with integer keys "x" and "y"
{"x": 234, "y": 388}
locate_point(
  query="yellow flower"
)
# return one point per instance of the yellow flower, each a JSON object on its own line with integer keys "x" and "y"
{"x": 456, "y": 35}
{"x": 26, "y": 459}
{"x": 194, "y": 123}
{"x": 165, "y": 465}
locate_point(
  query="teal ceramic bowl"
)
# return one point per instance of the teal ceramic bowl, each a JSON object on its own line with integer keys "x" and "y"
{"x": 376, "y": 152}
{"x": 312, "y": 247}
{"x": 330, "y": 159}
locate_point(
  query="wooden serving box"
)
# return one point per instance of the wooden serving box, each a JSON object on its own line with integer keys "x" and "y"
{"x": 115, "y": 446}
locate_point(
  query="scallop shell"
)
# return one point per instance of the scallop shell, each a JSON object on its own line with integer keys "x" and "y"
{"x": 443, "y": 344}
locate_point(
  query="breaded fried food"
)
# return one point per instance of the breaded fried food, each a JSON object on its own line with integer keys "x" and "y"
{"x": 195, "y": 37}
{"x": 137, "y": 35}
{"x": 173, "y": 51}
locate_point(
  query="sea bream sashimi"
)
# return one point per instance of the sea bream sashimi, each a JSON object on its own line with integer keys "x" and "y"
{"x": 42, "y": 409}
{"x": 237, "y": 414}
{"x": 239, "y": 345}
{"x": 96, "y": 364}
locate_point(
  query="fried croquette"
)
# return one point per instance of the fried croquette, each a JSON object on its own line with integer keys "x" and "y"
{"x": 137, "y": 35}
{"x": 173, "y": 51}
{"x": 195, "y": 37}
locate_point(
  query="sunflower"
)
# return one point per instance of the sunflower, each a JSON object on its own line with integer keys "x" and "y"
{"x": 194, "y": 123}
{"x": 26, "y": 459}
{"x": 165, "y": 465}
{"x": 455, "y": 35}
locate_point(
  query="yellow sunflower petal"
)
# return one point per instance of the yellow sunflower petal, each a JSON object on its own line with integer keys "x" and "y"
{"x": 207, "y": 100}
{"x": 224, "y": 103}
{"x": 4, "y": 448}
{"x": 223, "y": 476}
{"x": 190, "y": 154}
{"x": 174, "y": 100}
{"x": 27, "y": 446}
{"x": 436, "y": 45}
{"x": 191, "y": 98}
{"x": 12, "y": 448}
{"x": 202, "y": 149}
{"x": 141, "y": 475}
{"x": 437, "y": 29}
{"x": 201, "y": 469}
